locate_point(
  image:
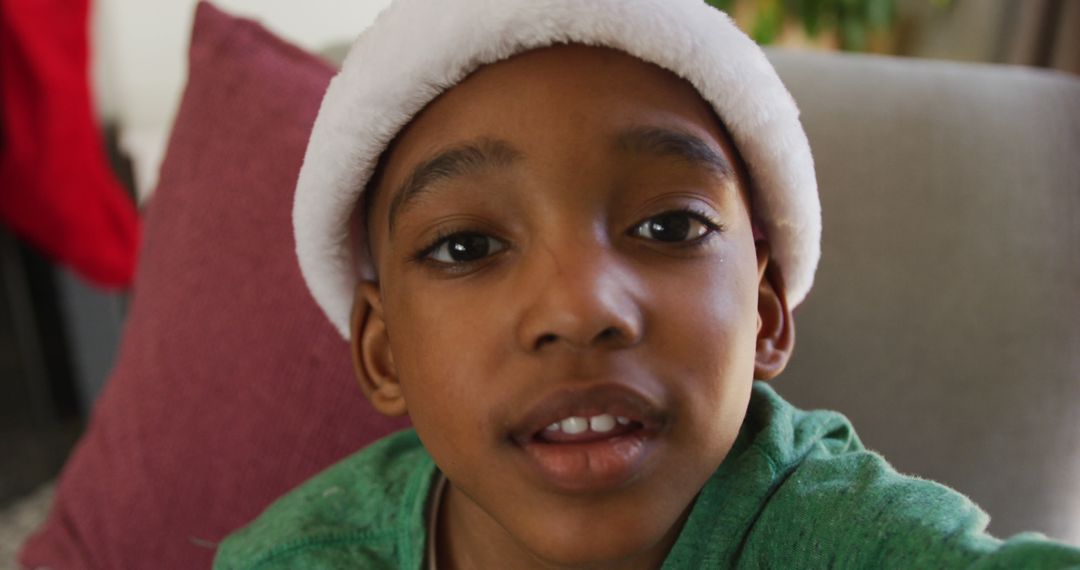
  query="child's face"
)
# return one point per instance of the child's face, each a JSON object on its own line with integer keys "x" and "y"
{"x": 575, "y": 244}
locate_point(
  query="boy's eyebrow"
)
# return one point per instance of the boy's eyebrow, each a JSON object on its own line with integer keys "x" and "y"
{"x": 674, "y": 143}
{"x": 483, "y": 154}
{"x": 468, "y": 158}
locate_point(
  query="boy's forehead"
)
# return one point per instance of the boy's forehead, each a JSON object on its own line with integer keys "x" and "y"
{"x": 571, "y": 98}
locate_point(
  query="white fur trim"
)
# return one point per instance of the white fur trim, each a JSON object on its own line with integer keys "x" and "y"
{"x": 417, "y": 49}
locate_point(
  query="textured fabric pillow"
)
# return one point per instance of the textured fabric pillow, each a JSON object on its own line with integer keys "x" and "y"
{"x": 230, "y": 387}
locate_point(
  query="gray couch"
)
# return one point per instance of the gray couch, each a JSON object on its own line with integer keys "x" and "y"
{"x": 945, "y": 318}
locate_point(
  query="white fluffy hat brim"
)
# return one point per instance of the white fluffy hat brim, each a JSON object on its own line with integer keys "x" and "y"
{"x": 417, "y": 49}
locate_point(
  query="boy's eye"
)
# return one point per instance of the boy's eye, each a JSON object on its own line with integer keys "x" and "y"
{"x": 673, "y": 227}
{"x": 464, "y": 247}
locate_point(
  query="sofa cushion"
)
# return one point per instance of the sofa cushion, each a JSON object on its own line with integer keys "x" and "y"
{"x": 230, "y": 386}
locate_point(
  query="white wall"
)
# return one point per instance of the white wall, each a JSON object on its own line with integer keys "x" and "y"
{"x": 140, "y": 50}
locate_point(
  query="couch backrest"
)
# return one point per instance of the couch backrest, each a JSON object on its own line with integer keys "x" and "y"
{"x": 945, "y": 319}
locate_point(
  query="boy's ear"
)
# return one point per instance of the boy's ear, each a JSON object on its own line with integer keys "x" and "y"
{"x": 373, "y": 361}
{"x": 776, "y": 329}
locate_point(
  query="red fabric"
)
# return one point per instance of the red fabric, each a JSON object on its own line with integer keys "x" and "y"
{"x": 231, "y": 387}
{"x": 56, "y": 188}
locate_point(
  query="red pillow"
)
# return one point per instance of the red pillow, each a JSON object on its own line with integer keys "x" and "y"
{"x": 230, "y": 387}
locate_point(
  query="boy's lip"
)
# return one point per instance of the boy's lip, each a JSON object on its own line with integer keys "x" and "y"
{"x": 598, "y": 462}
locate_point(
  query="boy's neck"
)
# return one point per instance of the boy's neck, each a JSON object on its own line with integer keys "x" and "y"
{"x": 467, "y": 537}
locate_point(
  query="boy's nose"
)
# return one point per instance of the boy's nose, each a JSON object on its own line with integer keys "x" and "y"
{"x": 579, "y": 301}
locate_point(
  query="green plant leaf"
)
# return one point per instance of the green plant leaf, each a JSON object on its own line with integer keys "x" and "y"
{"x": 809, "y": 11}
{"x": 770, "y": 20}
{"x": 852, "y": 34}
{"x": 879, "y": 13}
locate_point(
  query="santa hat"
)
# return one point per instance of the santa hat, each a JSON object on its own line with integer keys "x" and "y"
{"x": 417, "y": 49}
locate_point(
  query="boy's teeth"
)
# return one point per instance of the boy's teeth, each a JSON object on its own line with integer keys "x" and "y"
{"x": 574, "y": 425}
{"x": 602, "y": 423}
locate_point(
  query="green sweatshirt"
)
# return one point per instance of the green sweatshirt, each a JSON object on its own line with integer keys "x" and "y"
{"x": 798, "y": 490}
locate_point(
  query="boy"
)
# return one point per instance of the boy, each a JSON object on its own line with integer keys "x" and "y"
{"x": 582, "y": 228}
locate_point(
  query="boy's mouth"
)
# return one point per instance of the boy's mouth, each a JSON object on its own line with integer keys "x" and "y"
{"x": 587, "y": 440}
